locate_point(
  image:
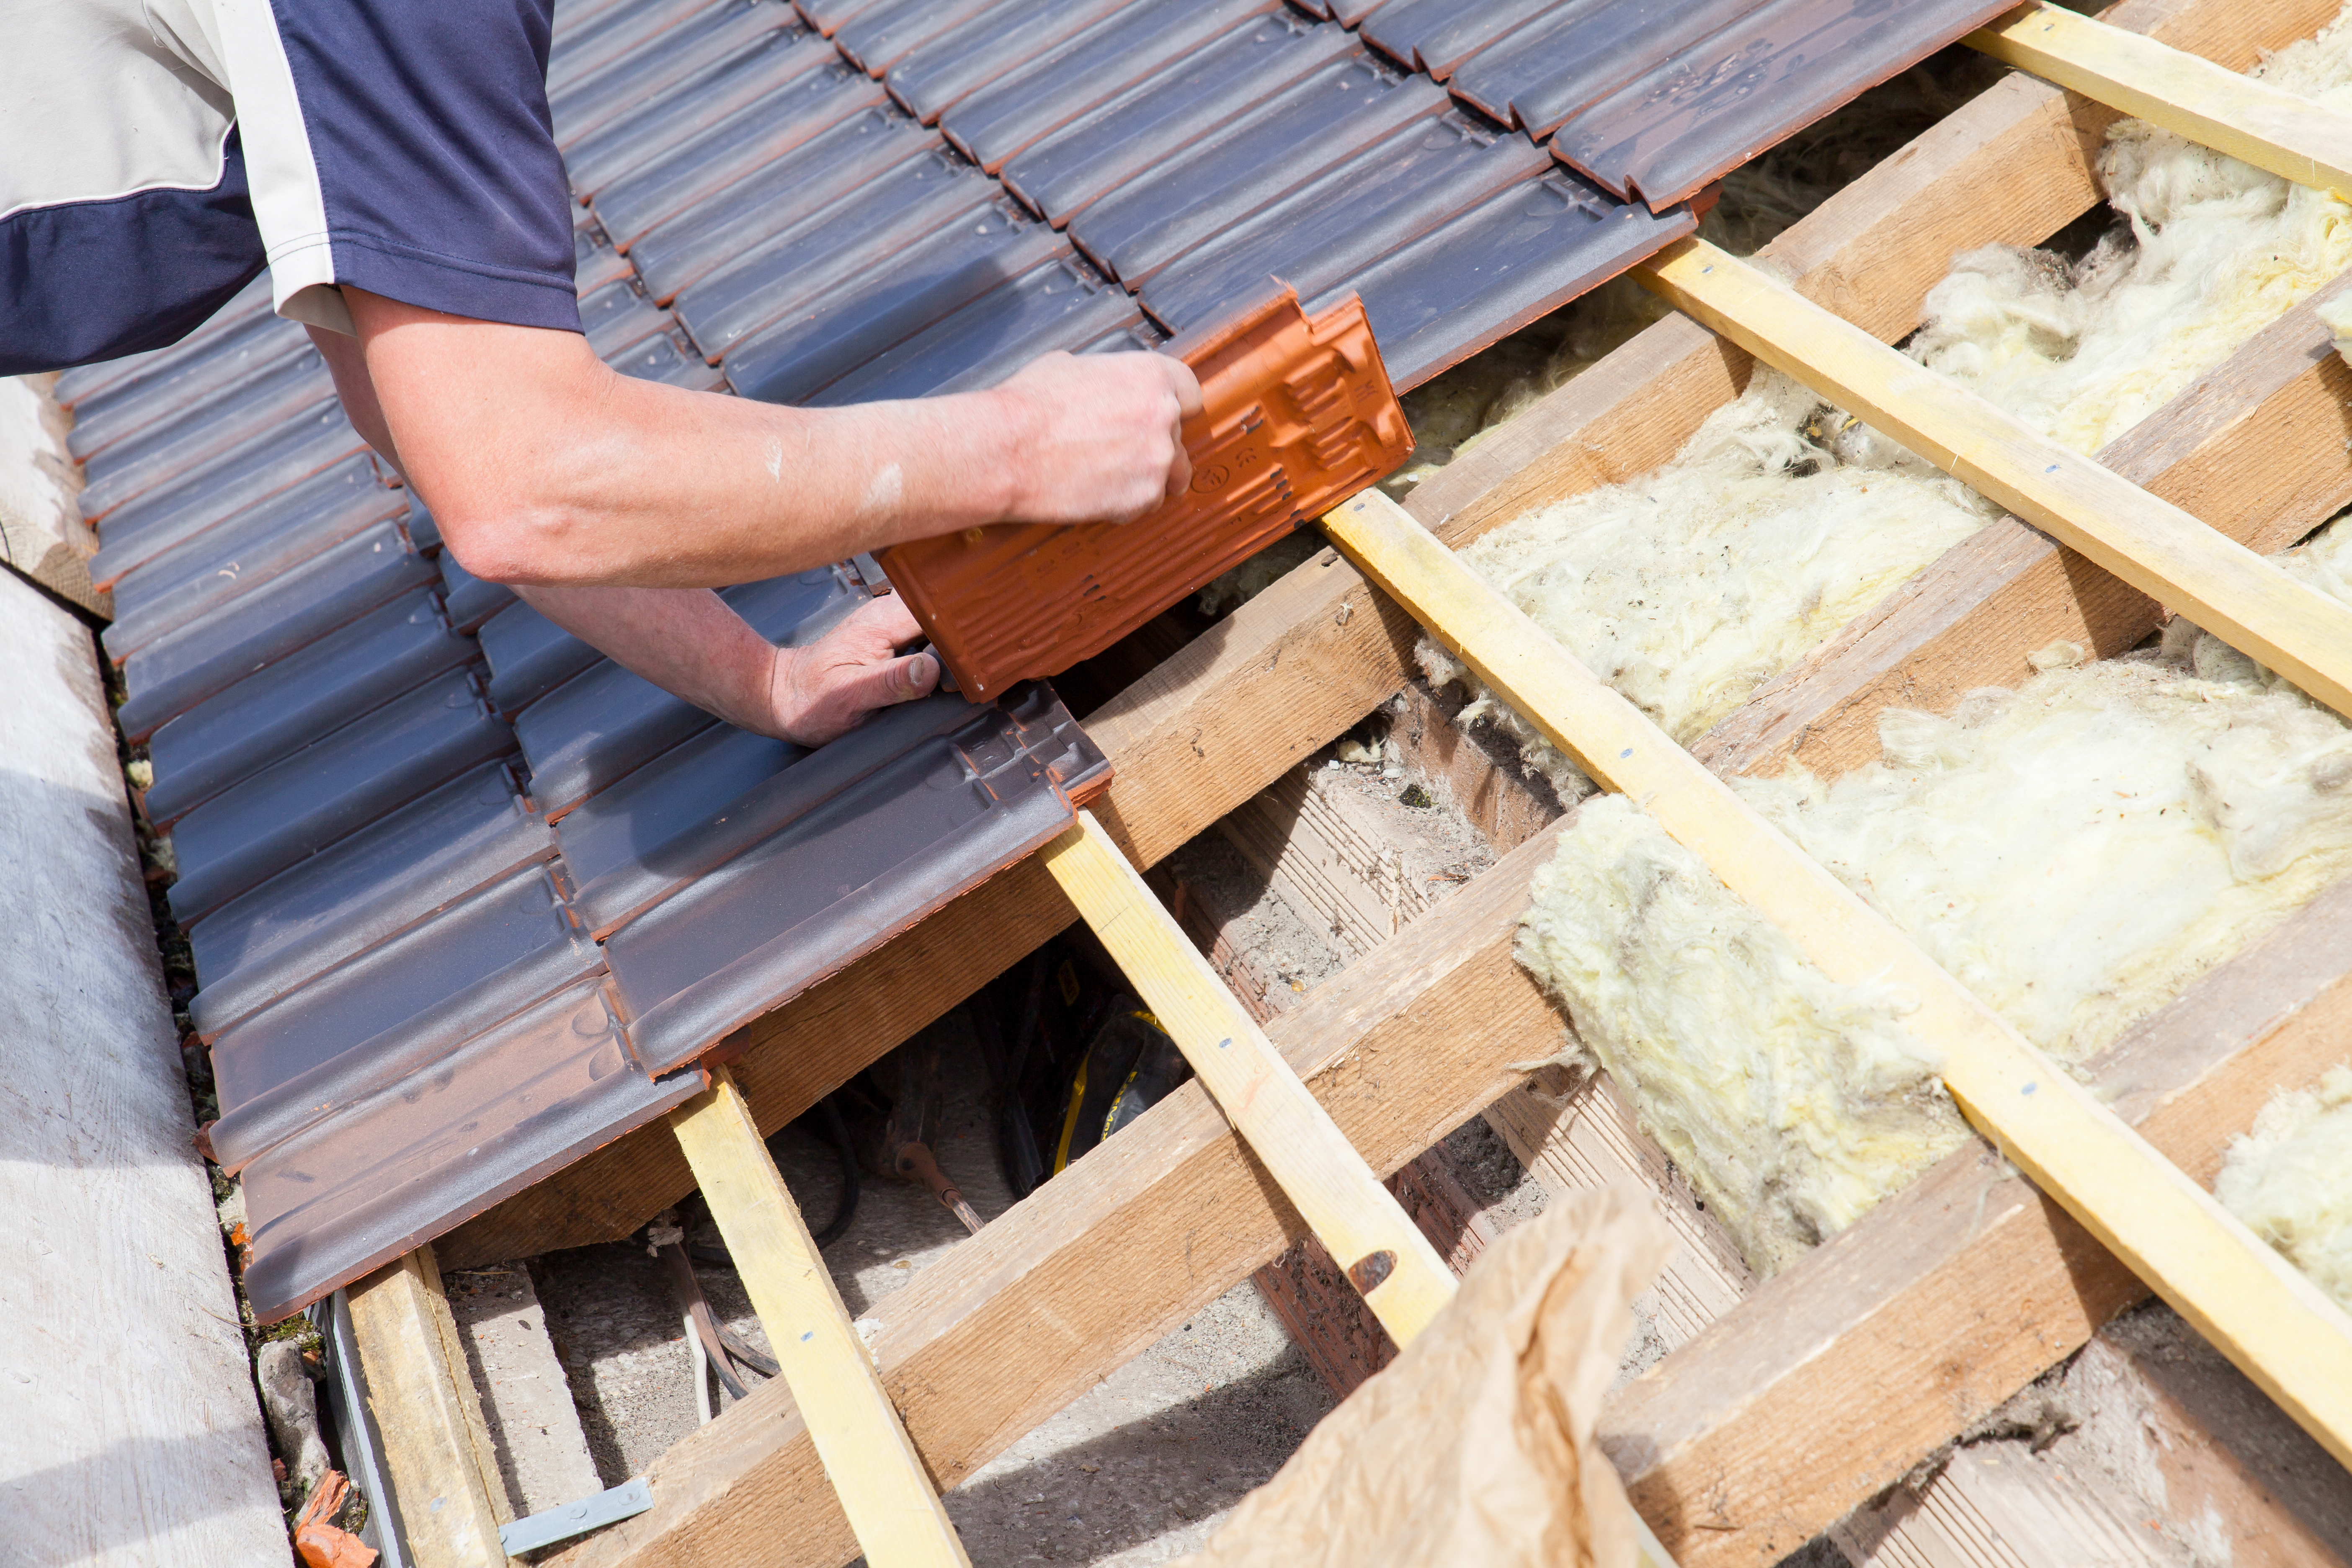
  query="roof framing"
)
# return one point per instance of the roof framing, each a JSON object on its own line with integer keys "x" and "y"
{"x": 1176, "y": 1211}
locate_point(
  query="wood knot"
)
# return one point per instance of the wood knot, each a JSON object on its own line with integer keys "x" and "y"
{"x": 1367, "y": 1272}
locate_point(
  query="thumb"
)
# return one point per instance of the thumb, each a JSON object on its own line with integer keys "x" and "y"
{"x": 884, "y": 683}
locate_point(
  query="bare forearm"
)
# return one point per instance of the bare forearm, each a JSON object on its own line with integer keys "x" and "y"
{"x": 543, "y": 466}
{"x": 657, "y": 485}
{"x": 685, "y": 641}
{"x": 690, "y": 643}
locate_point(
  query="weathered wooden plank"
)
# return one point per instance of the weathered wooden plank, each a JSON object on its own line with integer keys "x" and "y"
{"x": 445, "y": 1473}
{"x": 133, "y": 1433}
{"x": 1327, "y": 862}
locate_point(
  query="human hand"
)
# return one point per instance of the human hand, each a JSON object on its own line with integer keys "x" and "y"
{"x": 820, "y": 693}
{"x": 1102, "y": 436}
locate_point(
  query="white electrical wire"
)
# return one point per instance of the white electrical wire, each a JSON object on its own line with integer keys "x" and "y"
{"x": 701, "y": 1362}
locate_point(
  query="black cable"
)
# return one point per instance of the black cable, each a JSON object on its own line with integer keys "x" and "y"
{"x": 844, "y": 1211}
{"x": 847, "y": 1211}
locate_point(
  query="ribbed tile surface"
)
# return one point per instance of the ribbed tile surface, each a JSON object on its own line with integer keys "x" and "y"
{"x": 465, "y": 898}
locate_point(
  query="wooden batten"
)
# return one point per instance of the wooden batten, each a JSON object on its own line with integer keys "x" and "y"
{"x": 445, "y": 1474}
{"x": 878, "y": 1482}
{"x": 2292, "y": 137}
{"x": 2257, "y": 449}
{"x": 1385, "y": 1254}
{"x": 2159, "y": 548}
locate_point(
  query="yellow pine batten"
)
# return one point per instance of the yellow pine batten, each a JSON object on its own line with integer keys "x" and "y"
{"x": 2288, "y": 135}
{"x": 2273, "y": 1323}
{"x": 880, "y": 1479}
{"x": 1285, "y": 1127}
{"x": 2155, "y": 546}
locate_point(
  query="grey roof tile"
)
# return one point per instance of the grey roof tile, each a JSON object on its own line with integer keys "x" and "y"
{"x": 297, "y": 608}
{"x": 431, "y": 1150}
{"x": 279, "y": 708}
{"x": 797, "y": 356}
{"x": 781, "y": 201}
{"x": 339, "y": 784}
{"x": 412, "y": 863}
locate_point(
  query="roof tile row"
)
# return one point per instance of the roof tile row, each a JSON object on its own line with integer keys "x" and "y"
{"x": 466, "y": 898}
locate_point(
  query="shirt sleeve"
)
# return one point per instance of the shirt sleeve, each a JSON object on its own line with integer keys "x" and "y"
{"x": 403, "y": 147}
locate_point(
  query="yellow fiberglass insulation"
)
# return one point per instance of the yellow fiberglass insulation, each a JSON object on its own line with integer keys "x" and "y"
{"x": 2075, "y": 852}
{"x": 1689, "y": 587}
{"x": 2213, "y": 251}
{"x": 2291, "y": 1179}
{"x": 1790, "y": 1102}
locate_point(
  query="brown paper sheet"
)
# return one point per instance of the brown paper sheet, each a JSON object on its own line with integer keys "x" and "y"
{"x": 1475, "y": 1447}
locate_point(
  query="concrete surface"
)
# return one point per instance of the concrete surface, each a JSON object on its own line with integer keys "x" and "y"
{"x": 526, "y": 1399}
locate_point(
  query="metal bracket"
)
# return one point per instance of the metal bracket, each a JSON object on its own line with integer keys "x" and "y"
{"x": 630, "y": 1497}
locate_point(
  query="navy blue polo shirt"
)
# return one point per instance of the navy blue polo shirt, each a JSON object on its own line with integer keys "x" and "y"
{"x": 155, "y": 155}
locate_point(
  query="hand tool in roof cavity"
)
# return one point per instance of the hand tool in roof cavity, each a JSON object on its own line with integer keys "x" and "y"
{"x": 2158, "y": 548}
{"x": 913, "y": 1126}
{"x": 1297, "y": 414}
{"x": 2284, "y": 132}
{"x": 1384, "y": 1254}
{"x": 878, "y": 1478}
{"x": 2254, "y": 1306}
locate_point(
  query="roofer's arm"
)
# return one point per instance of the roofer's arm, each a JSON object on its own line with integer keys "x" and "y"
{"x": 616, "y": 505}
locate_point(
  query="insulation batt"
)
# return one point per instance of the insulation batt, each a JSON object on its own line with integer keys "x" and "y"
{"x": 1783, "y": 520}
{"x": 2075, "y": 852}
{"x": 2291, "y": 1179}
{"x": 1790, "y": 1104}
{"x": 1776, "y": 524}
{"x": 2209, "y": 251}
